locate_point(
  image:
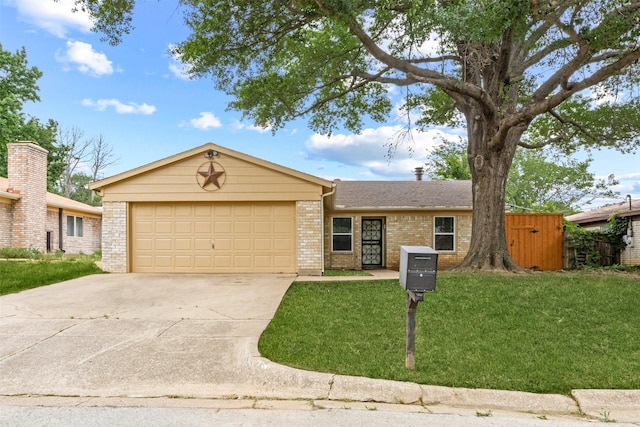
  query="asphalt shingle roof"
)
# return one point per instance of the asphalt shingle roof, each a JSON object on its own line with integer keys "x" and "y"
{"x": 603, "y": 213}
{"x": 404, "y": 194}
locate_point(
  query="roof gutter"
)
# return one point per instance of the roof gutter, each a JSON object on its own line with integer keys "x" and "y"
{"x": 8, "y": 195}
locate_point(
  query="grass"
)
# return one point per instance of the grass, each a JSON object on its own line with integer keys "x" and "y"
{"x": 345, "y": 273}
{"x": 19, "y": 275}
{"x": 539, "y": 332}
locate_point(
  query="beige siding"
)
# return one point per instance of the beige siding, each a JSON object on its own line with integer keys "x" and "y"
{"x": 413, "y": 228}
{"x": 243, "y": 181}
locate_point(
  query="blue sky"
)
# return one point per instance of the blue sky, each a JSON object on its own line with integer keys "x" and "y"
{"x": 136, "y": 96}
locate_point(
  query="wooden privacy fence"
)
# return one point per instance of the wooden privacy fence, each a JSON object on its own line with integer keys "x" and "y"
{"x": 603, "y": 254}
{"x": 535, "y": 240}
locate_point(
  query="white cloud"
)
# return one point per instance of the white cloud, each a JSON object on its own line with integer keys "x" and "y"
{"x": 176, "y": 66}
{"x": 120, "y": 108}
{"x": 385, "y": 152}
{"x": 56, "y": 17}
{"x": 238, "y": 125}
{"x": 206, "y": 121}
{"x": 86, "y": 59}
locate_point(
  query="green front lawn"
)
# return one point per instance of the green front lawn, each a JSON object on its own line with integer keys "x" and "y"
{"x": 18, "y": 275}
{"x": 539, "y": 332}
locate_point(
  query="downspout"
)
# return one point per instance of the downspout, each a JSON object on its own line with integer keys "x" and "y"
{"x": 333, "y": 186}
{"x": 60, "y": 245}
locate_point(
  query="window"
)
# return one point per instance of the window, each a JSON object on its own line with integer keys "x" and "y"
{"x": 74, "y": 226}
{"x": 444, "y": 233}
{"x": 342, "y": 232}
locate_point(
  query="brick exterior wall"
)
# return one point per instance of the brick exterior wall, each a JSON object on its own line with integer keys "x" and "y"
{"x": 91, "y": 236}
{"x": 6, "y": 219}
{"x": 27, "y": 174}
{"x": 309, "y": 232}
{"x": 405, "y": 228}
{"x": 631, "y": 254}
{"x": 52, "y": 227}
{"x": 114, "y": 237}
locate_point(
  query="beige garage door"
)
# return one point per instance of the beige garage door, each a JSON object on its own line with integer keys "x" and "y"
{"x": 213, "y": 237}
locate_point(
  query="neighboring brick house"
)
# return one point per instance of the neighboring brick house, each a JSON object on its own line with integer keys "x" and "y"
{"x": 597, "y": 219}
{"x": 212, "y": 209}
{"x": 31, "y": 217}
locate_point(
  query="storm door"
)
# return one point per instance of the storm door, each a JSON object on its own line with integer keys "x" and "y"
{"x": 372, "y": 243}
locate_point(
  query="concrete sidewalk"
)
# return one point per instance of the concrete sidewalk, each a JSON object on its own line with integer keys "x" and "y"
{"x": 185, "y": 339}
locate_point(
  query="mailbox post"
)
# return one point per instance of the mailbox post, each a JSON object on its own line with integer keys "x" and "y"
{"x": 418, "y": 268}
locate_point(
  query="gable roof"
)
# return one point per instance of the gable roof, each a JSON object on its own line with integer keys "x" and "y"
{"x": 604, "y": 213}
{"x": 423, "y": 195}
{"x": 52, "y": 200}
{"x": 202, "y": 149}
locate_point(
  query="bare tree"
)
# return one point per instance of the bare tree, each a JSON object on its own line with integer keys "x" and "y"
{"x": 100, "y": 158}
{"x": 76, "y": 149}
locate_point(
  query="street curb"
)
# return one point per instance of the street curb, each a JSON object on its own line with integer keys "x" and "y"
{"x": 609, "y": 405}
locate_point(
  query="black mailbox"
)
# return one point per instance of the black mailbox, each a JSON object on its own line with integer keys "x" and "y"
{"x": 418, "y": 267}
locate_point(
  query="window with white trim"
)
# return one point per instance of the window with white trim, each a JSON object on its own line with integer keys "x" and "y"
{"x": 342, "y": 234}
{"x": 444, "y": 233}
{"x": 74, "y": 226}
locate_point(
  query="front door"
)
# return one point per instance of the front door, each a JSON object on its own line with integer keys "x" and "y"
{"x": 372, "y": 243}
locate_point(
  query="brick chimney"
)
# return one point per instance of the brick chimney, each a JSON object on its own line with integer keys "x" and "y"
{"x": 27, "y": 175}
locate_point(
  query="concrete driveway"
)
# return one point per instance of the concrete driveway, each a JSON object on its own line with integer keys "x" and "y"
{"x": 142, "y": 335}
{"x": 100, "y": 338}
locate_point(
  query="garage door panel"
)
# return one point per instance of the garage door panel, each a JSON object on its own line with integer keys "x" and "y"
{"x": 283, "y": 227}
{"x": 263, "y": 227}
{"x": 262, "y": 244}
{"x": 242, "y": 210}
{"x": 242, "y": 245}
{"x": 163, "y": 261}
{"x": 222, "y": 227}
{"x": 223, "y": 245}
{"x": 163, "y": 244}
{"x": 242, "y": 261}
{"x": 246, "y": 237}
{"x": 144, "y": 244}
{"x": 262, "y": 261}
{"x": 184, "y": 244}
{"x": 202, "y": 227}
{"x": 282, "y": 245}
{"x": 184, "y": 227}
{"x": 222, "y": 261}
{"x": 201, "y": 245}
{"x": 165, "y": 211}
{"x": 163, "y": 227}
{"x": 282, "y": 261}
{"x": 144, "y": 227}
{"x": 145, "y": 261}
{"x": 242, "y": 227}
{"x": 183, "y": 261}
{"x": 203, "y": 262}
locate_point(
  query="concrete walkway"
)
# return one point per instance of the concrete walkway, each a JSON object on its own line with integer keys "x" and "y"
{"x": 115, "y": 339}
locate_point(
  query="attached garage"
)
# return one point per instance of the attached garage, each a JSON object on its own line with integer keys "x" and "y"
{"x": 213, "y": 237}
{"x": 213, "y": 210}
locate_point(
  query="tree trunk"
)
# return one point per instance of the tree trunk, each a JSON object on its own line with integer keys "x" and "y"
{"x": 490, "y": 161}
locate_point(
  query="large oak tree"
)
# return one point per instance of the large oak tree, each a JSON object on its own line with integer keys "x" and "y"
{"x": 498, "y": 64}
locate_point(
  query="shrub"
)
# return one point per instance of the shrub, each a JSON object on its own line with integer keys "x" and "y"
{"x": 30, "y": 253}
